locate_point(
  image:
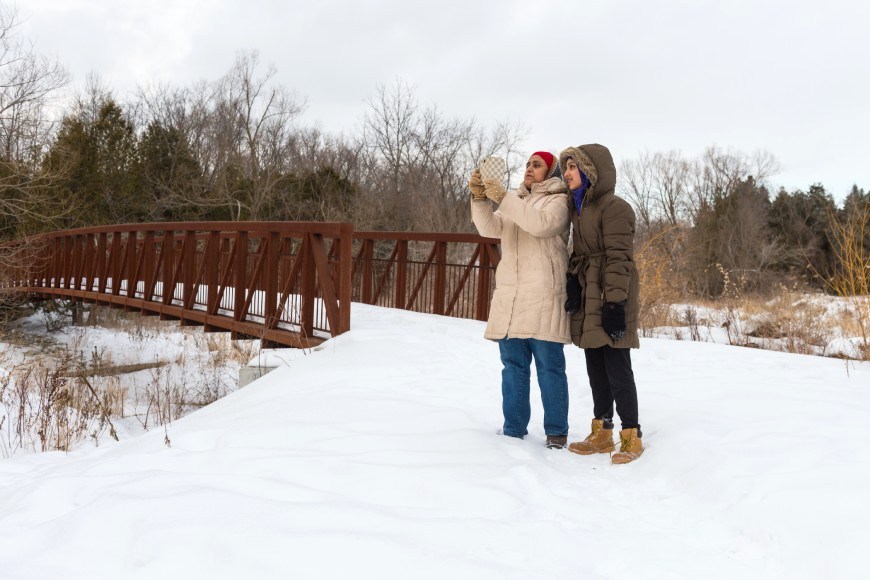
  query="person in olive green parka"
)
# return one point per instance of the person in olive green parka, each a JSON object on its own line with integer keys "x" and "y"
{"x": 603, "y": 297}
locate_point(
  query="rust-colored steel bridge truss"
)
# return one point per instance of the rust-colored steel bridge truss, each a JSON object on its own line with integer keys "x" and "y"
{"x": 286, "y": 283}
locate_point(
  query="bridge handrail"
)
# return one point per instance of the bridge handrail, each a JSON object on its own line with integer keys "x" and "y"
{"x": 296, "y": 291}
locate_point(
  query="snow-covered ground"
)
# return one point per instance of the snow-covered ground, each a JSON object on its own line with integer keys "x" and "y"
{"x": 376, "y": 456}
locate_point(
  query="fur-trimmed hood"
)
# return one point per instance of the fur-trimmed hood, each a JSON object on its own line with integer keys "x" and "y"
{"x": 596, "y": 163}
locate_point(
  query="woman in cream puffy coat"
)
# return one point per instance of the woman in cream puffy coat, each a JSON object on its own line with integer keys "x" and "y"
{"x": 526, "y": 316}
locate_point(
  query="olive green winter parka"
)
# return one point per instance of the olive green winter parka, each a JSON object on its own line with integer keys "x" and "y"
{"x": 602, "y": 255}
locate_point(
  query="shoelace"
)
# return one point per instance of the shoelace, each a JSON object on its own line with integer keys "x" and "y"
{"x": 624, "y": 442}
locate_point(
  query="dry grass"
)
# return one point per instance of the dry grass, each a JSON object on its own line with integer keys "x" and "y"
{"x": 47, "y": 408}
{"x": 58, "y": 396}
{"x": 793, "y": 323}
{"x": 786, "y": 319}
{"x": 790, "y": 319}
{"x": 659, "y": 280}
{"x": 849, "y": 241}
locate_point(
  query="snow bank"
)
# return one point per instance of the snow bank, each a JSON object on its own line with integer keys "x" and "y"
{"x": 376, "y": 456}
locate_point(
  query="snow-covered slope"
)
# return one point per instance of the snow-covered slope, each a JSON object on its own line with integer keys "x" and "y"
{"x": 376, "y": 456}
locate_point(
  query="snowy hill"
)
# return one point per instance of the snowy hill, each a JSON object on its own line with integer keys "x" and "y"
{"x": 376, "y": 456}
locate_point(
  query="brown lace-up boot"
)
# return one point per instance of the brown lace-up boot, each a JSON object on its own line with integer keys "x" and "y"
{"x": 599, "y": 441}
{"x": 630, "y": 447}
{"x": 557, "y": 441}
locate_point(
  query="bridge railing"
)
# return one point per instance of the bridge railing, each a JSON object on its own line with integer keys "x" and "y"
{"x": 296, "y": 279}
{"x": 448, "y": 274}
{"x": 291, "y": 293}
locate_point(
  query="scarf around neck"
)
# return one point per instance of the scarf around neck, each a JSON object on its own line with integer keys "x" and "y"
{"x": 579, "y": 193}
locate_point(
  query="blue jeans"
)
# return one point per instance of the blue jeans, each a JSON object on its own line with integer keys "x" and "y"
{"x": 516, "y": 356}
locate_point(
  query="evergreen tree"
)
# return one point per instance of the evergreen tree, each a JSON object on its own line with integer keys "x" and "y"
{"x": 170, "y": 174}
{"x": 99, "y": 160}
{"x": 801, "y": 222}
{"x": 731, "y": 237}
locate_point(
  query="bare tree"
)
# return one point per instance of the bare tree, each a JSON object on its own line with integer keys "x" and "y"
{"x": 657, "y": 185}
{"x": 416, "y": 161}
{"x": 709, "y": 216}
{"x": 637, "y": 184}
{"x": 672, "y": 173}
{"x": 389, "y": 133}
{"x": 177, "y": 124}
{"x": 717, "y": 173}
{"x": 326, "y": 173}
{"x": 406, "y": 168}
{"x": 28, "y": 82}
{"x": 261, "y": 114}
{"x": 240, "y": 134}
{"x": 502, "y": 140}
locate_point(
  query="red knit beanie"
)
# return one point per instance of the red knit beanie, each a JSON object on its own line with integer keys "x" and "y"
{"x": 547, "y": 157}
{"x": 550, "y": 160}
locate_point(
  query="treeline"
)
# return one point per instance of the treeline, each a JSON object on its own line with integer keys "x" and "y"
{"x": 713, "y": 225}
{"x": 236, "y": 148}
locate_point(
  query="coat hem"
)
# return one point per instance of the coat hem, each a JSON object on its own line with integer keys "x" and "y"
{"x": 496, "y": 337}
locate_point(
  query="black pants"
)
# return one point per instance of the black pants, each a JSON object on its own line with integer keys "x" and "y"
{"x": 612, "y": 379}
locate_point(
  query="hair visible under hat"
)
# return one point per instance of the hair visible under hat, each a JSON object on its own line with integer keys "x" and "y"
{"x": 551, "y": 161}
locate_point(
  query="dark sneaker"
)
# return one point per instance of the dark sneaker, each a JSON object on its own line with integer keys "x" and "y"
{"x": 557, "y": 441}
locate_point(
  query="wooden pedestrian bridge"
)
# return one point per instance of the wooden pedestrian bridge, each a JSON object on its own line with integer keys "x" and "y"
{"x": 286, "y": 283}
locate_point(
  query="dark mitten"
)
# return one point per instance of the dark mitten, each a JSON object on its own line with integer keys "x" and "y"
{"x": 613, "y": 319}
{"x": 572, "y": 286}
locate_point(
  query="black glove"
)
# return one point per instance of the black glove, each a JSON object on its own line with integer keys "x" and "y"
{"x": 575, "y": 294}
{"x": 613, "y": 319}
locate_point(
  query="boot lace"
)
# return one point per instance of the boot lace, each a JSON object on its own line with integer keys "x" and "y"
{"x": 624, "y": 443}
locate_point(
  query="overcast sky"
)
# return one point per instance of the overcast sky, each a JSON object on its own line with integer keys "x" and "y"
{"x": 790, "y": 77}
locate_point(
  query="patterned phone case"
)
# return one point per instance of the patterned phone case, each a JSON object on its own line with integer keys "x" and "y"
{"x": 493, "y": 168}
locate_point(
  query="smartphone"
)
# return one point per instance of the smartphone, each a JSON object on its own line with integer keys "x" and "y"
{"x": 493, "y": 168}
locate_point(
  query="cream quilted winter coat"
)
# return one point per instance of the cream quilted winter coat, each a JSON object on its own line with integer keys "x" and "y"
{"x": 529, "y": 293}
